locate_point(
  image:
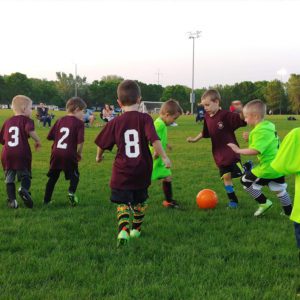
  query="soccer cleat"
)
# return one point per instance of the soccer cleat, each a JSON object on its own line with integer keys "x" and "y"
{"x": 12, "y": 203}
{"x": 262, "y": 208}
{"x": 247, "y": 166}
{"x": 170, "y": 204}
{"x": 73, "y": 199}
{"x": 26, "y": 197}
{"x": 233, "y": 204}
{"x": 123, "y": 238}
{"x": 134, "y": 233}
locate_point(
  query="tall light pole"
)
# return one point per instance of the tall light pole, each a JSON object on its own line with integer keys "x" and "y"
{"x": 193, "y": 36}
{"x": 75, "y": 80}
{"x": 282, "y": 72}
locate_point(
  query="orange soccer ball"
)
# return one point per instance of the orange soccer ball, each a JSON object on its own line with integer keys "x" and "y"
{"x": 207, "y": 199}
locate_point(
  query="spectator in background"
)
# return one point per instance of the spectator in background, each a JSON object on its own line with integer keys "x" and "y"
{"x": 107, "y": 114}
{"x": 200, "y": 112}
{"x": 43, "y": 114}
{"x": 236, "y": 106}
{"x": 88, "y": 117}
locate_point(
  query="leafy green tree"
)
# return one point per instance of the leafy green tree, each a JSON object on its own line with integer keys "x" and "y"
{"x": 293, "y": 90}
{"x": 3, "y": 91}
{"x": 180, "y": 93}
{"x": 275, "y": 96}
{"x": 151, "y": 92}
{"x": 112, "y": 78}
{"x": 16, "y": 84}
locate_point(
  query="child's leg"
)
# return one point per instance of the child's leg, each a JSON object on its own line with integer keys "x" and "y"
{"x": 53, "y": 177}
{"x": 11, "y": 188}
{"x": 138, "y": 215}
{"x": 297, "y": 235}
{"x": 74, "y": 180}
{"x": 25, "y": 177}
{"x": 167, "y": 189}
{"x": 123, "y": 212}
{"x": 230, "y": 190}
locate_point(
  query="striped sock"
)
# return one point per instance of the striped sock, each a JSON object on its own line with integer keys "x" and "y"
{"x": 286, "y": 203}
{"x": 256, "y": 194}
{"x": 123, "y": 217}
{"x": 138, "y": 215}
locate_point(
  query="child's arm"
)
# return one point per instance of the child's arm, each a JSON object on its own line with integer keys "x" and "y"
{"x": 169, "y": 147}
{"x": 99, "y": 155}
{"x": 244, "y": 151}
{"x": 79, "y": 151}
{"x": 195, "y": 139}
{"x": 158, "y": 149}
{"x": 34, "y": 136}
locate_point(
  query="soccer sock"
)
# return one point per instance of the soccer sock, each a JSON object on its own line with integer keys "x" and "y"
{"x": 50, "y": 187}
{"x": 138, "y": 215}
{"x": 11, "y": 191}
{"x": 256, "y": 194}
{"x": 25, "y": 182}
{"x": 286, "y": 203}
{"x": 74, "y": 180}
{"x": 167, "y": 188}
{"x": 123, "y": 217}
{"x": 231, "y": 194}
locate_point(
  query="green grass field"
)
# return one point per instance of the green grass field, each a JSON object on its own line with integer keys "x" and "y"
{"x": 60, "y": 252}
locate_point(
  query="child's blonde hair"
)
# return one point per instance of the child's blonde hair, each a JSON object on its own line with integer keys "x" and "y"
{"x": 75, "y": 103}
{"x": 171, "y": 107}
{"x": 20, "y": 102}
{"x": 212, "y": 95}
{"x": 256, "y": 107}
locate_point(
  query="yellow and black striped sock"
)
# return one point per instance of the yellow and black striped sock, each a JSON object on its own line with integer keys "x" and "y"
{"x": 123, "y": 212}
{"x": 138, "y": 215}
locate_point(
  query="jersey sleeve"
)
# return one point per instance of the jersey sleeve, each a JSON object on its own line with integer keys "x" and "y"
{"x": 205, "y": 132}
{"x": 287, "y": 160}
{"x": 80, "y": 133}
{"x": 51, "y": 134}
{"x": 260, "y": 140}
{"x": 150, "y": 131}
{"x": 106, "y": 138}
{"x": 29, "y": 126}
{"x": 234, "y": 120}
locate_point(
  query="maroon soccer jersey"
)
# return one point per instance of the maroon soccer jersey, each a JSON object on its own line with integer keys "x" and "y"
{"x": 131, "y": 132}
{"x": 66, "y": 133}
{"x": 14, "y": 135}
{"x": 220, "y": 128}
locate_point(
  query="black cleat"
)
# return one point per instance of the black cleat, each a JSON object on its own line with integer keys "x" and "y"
{"x": 12, "y": 203}
{"x": 26, "y": 197}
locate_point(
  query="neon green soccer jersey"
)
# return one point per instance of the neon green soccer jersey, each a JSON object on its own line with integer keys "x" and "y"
{"x": 287, "y": 161}
{"x": 159, "y": 169}
{"x": 264, "y": 139}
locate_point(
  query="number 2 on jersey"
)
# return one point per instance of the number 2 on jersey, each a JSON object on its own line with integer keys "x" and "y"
{"x": 60, "y": 143}
{"x": 132, "y": 147}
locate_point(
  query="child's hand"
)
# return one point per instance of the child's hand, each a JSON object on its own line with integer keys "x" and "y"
{"x": 246, "y": 136}
{"x": 155, "y": 155}
{"x": 234, "y": 147}
{"x": 167, "y": 162}
{"x": 190, "y": 140}
{"x": 37, "y": 145}
{"x": 79, "y": 156}
{"x": 99, "y": 158}
{"x": 169, "y": 147}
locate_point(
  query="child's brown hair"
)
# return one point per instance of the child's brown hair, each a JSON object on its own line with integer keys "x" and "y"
{"x": 75, "y": 103}
{"x": 171, "y": 107}
{"x": 128, "y": 92}
{"x": 212, "y": 95}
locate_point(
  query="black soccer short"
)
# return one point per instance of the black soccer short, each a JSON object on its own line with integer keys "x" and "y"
{"x": 251, "y": 178}
{"x": 68, "y": 174}
{"x": 235, "y": 169}
{"x": 129, "y": 197}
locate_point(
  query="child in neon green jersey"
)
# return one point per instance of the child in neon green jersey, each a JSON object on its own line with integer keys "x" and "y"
{"x": 287, "y": 161}
{"x": 263, "y": 142}
{"x": 169, "y": 112}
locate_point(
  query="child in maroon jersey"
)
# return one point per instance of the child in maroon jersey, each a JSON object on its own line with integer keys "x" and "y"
{"x": 16, "y": 153}
{"x": 131, "y": 175}
{"x": 219, "y": 125}
{"x": 68, "y": 136}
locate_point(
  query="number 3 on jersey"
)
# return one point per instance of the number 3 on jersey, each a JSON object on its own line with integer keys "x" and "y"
{"x": 60, "y": 143}
{"x": 132, "y": 147}
{"x": 15, "y": 136}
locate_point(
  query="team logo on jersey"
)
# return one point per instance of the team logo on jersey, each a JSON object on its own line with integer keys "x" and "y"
{"x": 220, "y": 125}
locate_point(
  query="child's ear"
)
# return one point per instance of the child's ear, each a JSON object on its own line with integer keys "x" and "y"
{"x": 120, "y": 104}
{"x": 139, "y": 100}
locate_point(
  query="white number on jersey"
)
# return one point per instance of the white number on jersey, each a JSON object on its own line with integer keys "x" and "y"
{"x": 60, "y": 143}
{"x": 132, "y": 147}
{"x": 14, "y": 136}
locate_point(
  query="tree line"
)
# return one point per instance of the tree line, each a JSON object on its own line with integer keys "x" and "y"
{"x": 280, "y": 97}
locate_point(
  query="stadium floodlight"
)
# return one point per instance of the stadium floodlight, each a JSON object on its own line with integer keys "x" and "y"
{"x": 282, "y": 72}
{"x": 193, "y": 36}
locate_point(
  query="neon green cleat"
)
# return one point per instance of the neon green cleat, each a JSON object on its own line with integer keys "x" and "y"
{"x": 73, "y": 199}
{"x": 262, "y": 208}
{"x": 123, "y": 238}
{"x": 135, "y": 233}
